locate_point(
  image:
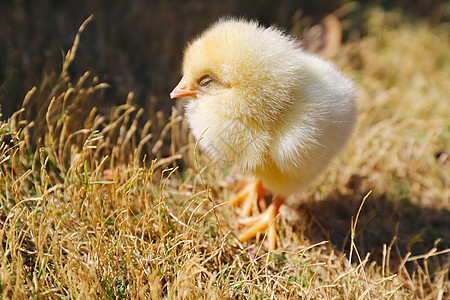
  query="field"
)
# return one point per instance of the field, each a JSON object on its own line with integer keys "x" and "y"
{"x": 112, "y": 204}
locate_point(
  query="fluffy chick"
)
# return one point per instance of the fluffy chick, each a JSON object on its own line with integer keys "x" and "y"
{"x": 258, "y": 100}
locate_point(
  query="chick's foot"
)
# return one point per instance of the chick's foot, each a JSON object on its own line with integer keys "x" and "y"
{"x": 251, "y": 194}
{"x": 262, "y": 222}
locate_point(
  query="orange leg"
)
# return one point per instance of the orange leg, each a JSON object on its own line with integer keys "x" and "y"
{"x": 262, "y": 222}
{"x": 252, "y": 193}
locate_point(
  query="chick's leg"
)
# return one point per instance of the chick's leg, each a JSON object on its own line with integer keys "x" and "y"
{"x": 262, "y": 222}
{"x": 252, "y": 193}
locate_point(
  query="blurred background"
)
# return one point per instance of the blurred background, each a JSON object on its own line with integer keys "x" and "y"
{"x": 137, "y": 45}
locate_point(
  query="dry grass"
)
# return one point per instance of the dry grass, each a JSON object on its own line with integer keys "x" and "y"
{"x": 98, "y": 206}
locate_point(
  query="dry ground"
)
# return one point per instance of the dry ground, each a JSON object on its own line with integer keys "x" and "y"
{"x": 101, "y": 206}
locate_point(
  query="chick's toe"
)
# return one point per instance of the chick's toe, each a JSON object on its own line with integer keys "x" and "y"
{"x": 264, "y": 221}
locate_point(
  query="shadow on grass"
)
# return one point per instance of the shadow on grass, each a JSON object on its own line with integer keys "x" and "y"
{"x": 383, "y": 220}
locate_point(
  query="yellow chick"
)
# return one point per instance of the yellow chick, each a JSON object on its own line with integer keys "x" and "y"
{"x": 256, "y": 99}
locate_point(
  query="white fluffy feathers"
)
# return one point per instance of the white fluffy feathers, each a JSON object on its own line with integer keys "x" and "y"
{"x": 258, "y": 100}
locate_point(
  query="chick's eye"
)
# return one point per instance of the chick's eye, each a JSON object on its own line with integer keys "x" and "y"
{"x": 205, "y": 81}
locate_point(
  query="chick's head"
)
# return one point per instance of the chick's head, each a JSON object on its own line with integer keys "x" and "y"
{"x": 239, "y": 74}
{"x": 240, "y": 65}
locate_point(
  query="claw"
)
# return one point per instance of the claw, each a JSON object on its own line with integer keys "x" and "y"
{"x": 262, "y": 222}
{"x": 251, "y": 194}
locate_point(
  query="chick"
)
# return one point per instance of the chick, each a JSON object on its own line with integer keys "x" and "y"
{"x": 259, "y": 101}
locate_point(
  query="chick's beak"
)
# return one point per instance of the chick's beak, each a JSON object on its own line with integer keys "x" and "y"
{"x": 183, "y": 90}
